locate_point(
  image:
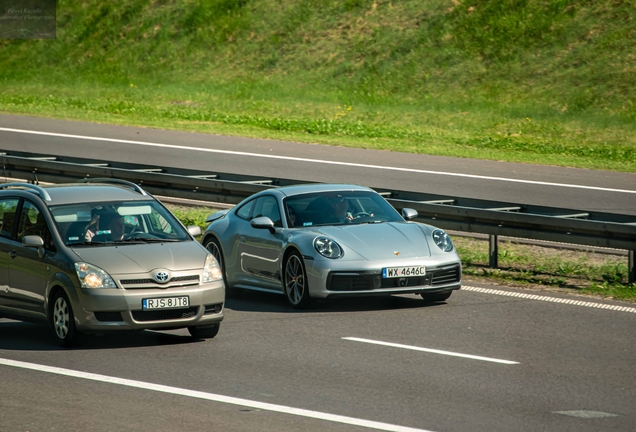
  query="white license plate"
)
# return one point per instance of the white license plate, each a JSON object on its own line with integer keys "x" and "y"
{"x": 400, "y": 272}
{"x": 165, "y": 303}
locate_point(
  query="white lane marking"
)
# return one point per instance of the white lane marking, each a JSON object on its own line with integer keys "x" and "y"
{"x": 550, "y": 299}
{"x": 429, "y": 350}
{"x": 211, "y": 397}
{"x": 298, "y": 159}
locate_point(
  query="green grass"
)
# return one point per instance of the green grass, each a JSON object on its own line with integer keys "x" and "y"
{"x": 191, "y": 215}
{"x": 526, "y": 81}
{"x": 526, "y": 266}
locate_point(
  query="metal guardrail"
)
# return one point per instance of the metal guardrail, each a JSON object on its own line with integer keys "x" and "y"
{"x": 454, "y": 213}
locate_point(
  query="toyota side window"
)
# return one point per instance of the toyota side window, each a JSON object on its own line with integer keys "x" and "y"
{"x": 8, "y": 208}
{"x": 32, "y": 222}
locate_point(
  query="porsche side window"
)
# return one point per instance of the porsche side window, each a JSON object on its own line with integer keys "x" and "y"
{"x": 8, "y": 208}
{"x": 268, "y": 206}
{"x": 245, "y": 210}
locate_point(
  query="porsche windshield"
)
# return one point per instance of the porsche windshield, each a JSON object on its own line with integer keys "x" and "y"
{"x": 93, "y": 224}
{"x": 338, "y": 208}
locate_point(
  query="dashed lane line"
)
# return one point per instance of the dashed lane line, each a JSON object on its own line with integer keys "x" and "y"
{"x": 430, "y": 350}
{"x": 550, "y": 299}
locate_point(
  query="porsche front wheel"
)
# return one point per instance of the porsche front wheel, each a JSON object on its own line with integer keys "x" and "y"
{"x": 295, "y": 282}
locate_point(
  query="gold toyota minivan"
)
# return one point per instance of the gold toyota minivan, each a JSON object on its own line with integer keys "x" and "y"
{"x": 103, "y": 255}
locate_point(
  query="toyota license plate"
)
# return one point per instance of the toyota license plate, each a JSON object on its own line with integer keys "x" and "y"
{"x": 165, "y": 303}
{"x": 400, "y": 272}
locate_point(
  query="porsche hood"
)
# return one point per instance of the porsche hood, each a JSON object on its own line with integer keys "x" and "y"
{"x": 380, "y": 241}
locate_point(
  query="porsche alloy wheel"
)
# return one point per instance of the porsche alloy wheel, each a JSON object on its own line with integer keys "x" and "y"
{"x": 295, "y": 280}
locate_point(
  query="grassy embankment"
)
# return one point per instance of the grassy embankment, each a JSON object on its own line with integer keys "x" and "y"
{"x": 527, "y": 81}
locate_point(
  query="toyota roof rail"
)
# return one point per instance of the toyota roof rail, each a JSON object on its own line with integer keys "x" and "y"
{"x": 127, "y": 183}
{"x": 30, "y": 187}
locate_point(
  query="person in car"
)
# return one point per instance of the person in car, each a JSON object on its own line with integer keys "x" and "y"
{"x": 115, "y": 223}
{"x": 337, "y": 210}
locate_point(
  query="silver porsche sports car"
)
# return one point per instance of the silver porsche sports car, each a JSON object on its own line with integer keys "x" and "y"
{"x": 324, "y": 240}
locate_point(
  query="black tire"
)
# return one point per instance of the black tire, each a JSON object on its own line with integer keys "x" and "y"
{"x": 295, "y": 282}
{"x": 214, "y": 247}
{"x": 62, "y": 321}
{"x": 204, "y": 332}
{"x": 436, "y": 297}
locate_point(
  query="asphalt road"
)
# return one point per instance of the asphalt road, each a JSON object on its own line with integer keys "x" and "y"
{"x": 516, "y": 183}
{"x": 483, "y": 361}
{"x": 535, "y": 360}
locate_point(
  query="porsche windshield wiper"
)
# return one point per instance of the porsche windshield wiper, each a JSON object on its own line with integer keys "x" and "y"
{"x": 369, "y": 222}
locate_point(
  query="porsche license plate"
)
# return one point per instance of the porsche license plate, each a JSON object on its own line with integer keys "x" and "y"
{"x": 400, "y": 272}
{"x": 165, "y": 303}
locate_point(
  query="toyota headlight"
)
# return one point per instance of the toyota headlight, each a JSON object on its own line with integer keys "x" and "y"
{"x": 442, "y": 240}
{"x": 91, "y": 276}
{"x": 211, "y": 270}
{"x": 327, "y": 247}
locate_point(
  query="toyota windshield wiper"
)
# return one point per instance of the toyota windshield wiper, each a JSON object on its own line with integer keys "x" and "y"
{"x": 86, "y": 243}
{"x": 148, "y": 240}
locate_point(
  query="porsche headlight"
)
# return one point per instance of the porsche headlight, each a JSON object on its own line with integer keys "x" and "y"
{"x": 442, "y": 240}
{"x": 211, "y": 270}
{"x": 91, "y": 276}
{"x": 327, "y": 247}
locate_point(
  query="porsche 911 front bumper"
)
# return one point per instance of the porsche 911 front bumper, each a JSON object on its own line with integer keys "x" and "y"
{"x": 332, "y": 278}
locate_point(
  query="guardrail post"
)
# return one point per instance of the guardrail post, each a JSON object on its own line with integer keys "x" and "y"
{"x": 631, "y": 276}
{"x": 493, "y": 251}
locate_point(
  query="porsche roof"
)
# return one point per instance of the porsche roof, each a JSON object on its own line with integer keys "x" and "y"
{"x": 319, "y": 187}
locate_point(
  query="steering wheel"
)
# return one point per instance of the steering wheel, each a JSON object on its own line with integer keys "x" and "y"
{"x": 361, "y": 214}
{"x": 135, "y": 231}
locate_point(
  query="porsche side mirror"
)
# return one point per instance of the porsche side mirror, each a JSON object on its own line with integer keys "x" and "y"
{"x": 409, "y": 213}
{"x": 263, "y": 222}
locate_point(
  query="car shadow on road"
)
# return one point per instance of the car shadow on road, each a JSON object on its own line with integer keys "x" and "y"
{"x": 22, "y": 336}
{"x": 255, "y": 301}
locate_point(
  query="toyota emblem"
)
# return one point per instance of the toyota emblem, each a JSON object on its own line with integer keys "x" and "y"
{"x": 162, "y": 277}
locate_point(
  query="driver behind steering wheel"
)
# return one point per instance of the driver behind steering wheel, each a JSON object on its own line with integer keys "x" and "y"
{"x": 115, "y": 223}
{"x": 338, "y": 210}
